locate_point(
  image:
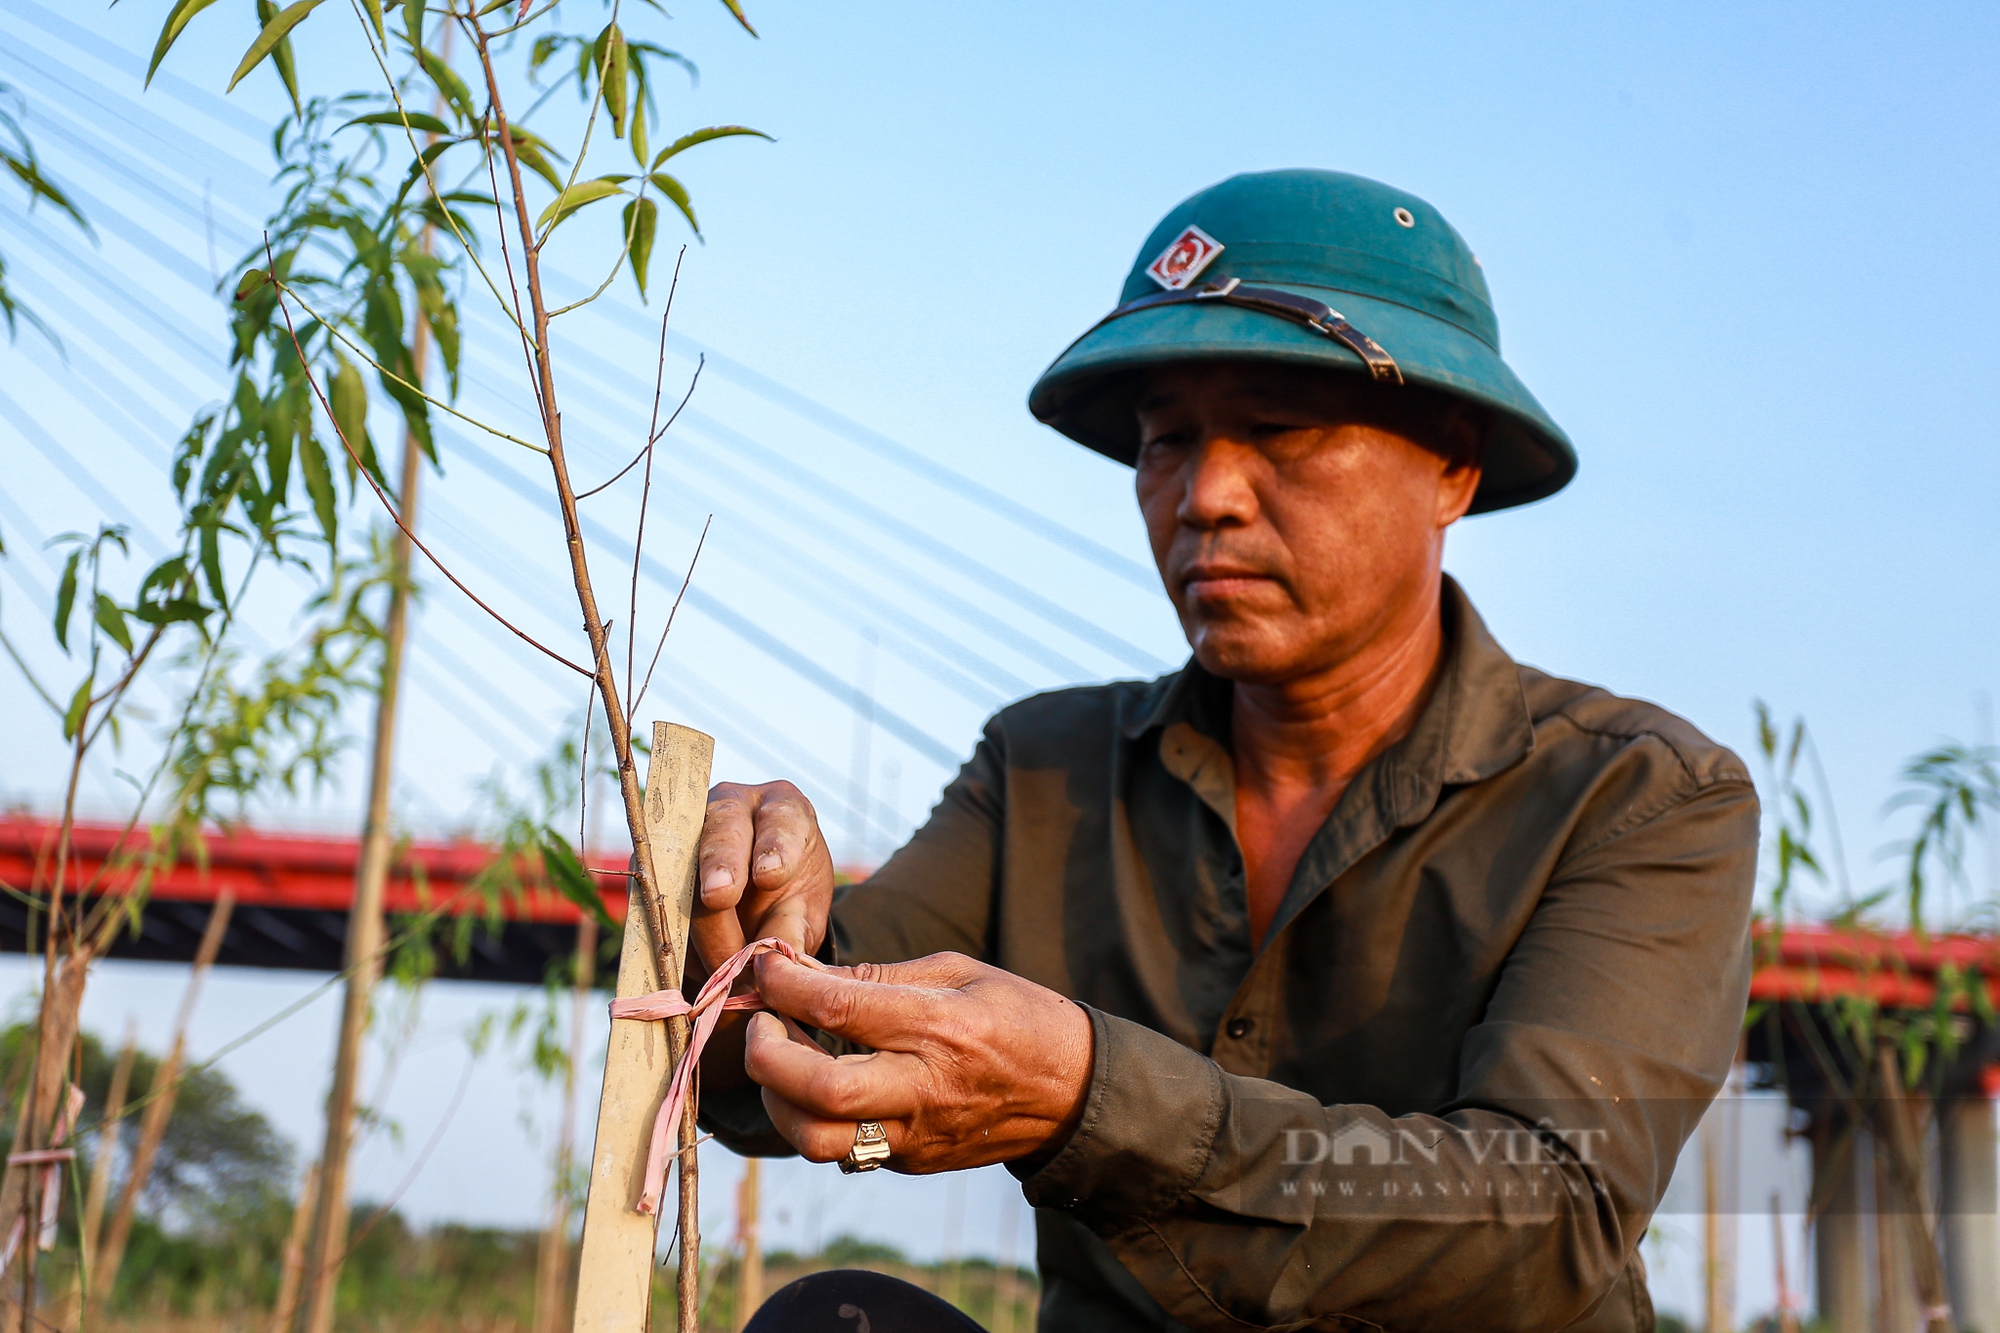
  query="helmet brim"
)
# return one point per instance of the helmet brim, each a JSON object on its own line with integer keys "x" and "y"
{"x": 1087, "y": 393}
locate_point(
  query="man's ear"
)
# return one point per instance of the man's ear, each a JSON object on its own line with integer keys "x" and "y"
{"x": 1465, "y": 458}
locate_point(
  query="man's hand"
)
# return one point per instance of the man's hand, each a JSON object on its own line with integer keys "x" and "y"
{"x": 765, "y": 870}
{"x": 972, "y": 1065}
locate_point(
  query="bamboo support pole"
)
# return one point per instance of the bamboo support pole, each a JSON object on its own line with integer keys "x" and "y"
{"x": 750, "y": 1260}
{"x": 551, "y": 1267}
{"x": 107, "y": 1146}
{"x": 292, "y": 1265}
{"x": 615, "y": 1274}
{"x": 166, "y": 1087}
{"x": 19, "y": 1197}
{"x": 1904, "y": 1140}
{"x": 327, "y": 1246}
{"x": 1788, "y": 1318}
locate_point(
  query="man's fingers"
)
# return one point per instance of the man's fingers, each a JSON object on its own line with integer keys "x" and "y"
{"x": 885, "y": 1017}
{"x": 727, "y": 832}
{"x": 717, "y": 935}
{"x": 938, "y": 971}
{"x": 785, "y": 827}
{"x": 816, "y": 1138}
{"x": 789, "y": 920}
{"x": 851, "y": 1088}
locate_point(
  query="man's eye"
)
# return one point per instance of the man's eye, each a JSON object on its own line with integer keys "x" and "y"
{"x": 1167, "y": 439}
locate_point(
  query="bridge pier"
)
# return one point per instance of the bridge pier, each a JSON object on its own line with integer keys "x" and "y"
{"x": 1840, "y": 1257}
{"x": 1970, "y": 1174}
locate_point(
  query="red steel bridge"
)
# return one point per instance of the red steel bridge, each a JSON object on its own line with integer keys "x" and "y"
{"x": 292, "y": 894}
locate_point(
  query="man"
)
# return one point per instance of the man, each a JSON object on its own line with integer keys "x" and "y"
{"x": 1352, "y": 975}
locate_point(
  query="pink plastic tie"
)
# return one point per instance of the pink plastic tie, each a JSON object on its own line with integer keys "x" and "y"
{"x": 710, "y": 1003}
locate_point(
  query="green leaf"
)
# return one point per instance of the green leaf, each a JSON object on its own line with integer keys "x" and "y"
{"x": 111, "y": 620}
{"x": 580, "y": 195}
{"x": 736, "y": 9}
{"x": 567, "y": 875}
{"x": 211, "y": 563}
{"x": 448, "y": 83}
{"x": 281, "y": 55}
{"x": 687, "y": 141}
{"x": 29, "y": 172}
{"x": 156, "y": 590}
{"x": 413, "y": 21}
{"x": 426, "y": 158}
{"x": 417, "y": 120}
{"x": 374, "y": 8}
{"x": 640, "y": 147}
{"x": 66, "y": 597}
{"x": 319, "y": 484}
{"x": 642, "y": 219}
{"x": 267, "y": 40}
{"x": 677, "y": 192}
{"x": 348, "y": 393}
{"x": 600, "y": 65}
{"x": 79, "y": 703}
{"x": 251, "y": 280}
{"x": 617, "y": 81}
{"x": 278, "y": 445}
{"x": 177, "y": 19}
{"x": 530, "y": 155}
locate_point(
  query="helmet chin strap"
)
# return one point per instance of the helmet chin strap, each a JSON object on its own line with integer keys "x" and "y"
{"x": 1315, "y": 315}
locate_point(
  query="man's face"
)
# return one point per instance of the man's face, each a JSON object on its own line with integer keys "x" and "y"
{"x": 1290, "y": 535}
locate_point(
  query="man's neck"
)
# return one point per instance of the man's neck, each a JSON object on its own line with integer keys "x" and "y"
{"x": 1297, "y": 745}
{"x": 1317, "y": 731}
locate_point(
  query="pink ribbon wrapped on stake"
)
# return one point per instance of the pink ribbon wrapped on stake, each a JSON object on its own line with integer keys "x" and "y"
{"x": 710, "y": 1003}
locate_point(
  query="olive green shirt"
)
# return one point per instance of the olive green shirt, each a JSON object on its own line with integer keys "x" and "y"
{"x": 1448, "y": 1091}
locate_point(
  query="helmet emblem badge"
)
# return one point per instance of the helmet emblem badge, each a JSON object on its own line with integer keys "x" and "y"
{"x": 1182, "y": 262}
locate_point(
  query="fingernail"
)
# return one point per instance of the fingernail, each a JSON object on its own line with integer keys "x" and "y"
{"x": 718, "y": 877}
{"x": 769, "y": 862}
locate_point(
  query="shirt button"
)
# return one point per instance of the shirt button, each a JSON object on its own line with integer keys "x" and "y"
{"x": 1240, "y": 1027}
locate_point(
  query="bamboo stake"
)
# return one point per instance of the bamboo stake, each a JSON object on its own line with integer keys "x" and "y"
{"x": 1715, "y": 1307}
{"x": 166, "y": 1087}
{"x": 750, "y": 1264}
{"x": 292, "y": 1266}
{"x": 1788, "y": 1319}
{"x": 1904, "y": 1141}
{"x": 19, "y": 1196}
{"x": 107, "y": 1145}
{"x": 550, "y": 1275}
{"x": 615, "y": 1274}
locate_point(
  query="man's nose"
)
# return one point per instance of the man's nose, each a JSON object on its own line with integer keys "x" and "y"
{"x": 1219, "y": 485}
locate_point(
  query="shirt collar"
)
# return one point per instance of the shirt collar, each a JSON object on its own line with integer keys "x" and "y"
{"x": 1476, "y": 723}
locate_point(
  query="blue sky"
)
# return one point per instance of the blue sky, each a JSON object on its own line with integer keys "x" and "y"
{"x": 1743, "y": 253}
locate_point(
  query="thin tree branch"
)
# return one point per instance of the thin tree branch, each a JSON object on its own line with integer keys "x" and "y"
{"x": 48, "y": 698}
{"x": 173, "y": 738}
{"x": 417, "y": 1167}
{"x": 646, "y": 494}
{"x": 528, "y": 350}
{"x": 465, "y": 244}
{"x": 387, "y": 373}
{"x": 675, "y": 610}
{"x": 525, "y": 20}
{"x": 641, "y": 455}
{"x": 589, "y": 127}
{"x": 415, "y": 541}
{"x": 631, "y": 231}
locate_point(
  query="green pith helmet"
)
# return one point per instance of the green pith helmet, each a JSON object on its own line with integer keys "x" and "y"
{"x": 1312, "y": 268}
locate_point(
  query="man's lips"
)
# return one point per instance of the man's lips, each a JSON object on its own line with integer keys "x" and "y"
{"x": 1207, "y": 582}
